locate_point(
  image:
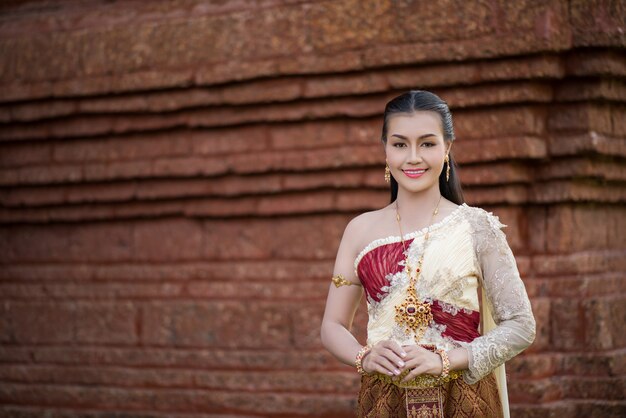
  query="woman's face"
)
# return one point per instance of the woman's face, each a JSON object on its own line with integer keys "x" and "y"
{"x": 416, "y": 150}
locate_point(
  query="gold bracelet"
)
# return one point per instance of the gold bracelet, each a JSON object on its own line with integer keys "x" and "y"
{"x": 445, "y": 361}
{"x": 339, "y": 281}
{"x": 359, "y": 359}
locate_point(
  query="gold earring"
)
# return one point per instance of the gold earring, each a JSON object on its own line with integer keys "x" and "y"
{"x": 387, "y": 173}
{"x": 448, "y": 168}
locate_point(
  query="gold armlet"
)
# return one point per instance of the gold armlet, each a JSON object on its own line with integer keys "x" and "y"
{"x": 339, "y": 281}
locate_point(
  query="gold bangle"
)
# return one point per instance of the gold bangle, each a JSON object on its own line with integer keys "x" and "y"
{"x": 359, "y": 359}
{"x": 339, "y": 281}
{"x": 445, "y": 361}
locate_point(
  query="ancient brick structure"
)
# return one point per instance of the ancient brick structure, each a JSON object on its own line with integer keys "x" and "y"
{"x": 175, "y": 177}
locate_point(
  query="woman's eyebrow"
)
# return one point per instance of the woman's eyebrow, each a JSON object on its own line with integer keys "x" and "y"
{"x": 421, "y": 137}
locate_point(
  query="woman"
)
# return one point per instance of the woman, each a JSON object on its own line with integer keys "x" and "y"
{"x": 446, "y": 304}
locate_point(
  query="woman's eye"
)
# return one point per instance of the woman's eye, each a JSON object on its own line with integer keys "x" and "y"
{"x": 399, "y": 143}
{"x": 429, "y": 144}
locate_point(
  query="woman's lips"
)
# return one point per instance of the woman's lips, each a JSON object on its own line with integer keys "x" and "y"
{"x": 414, "y": 173}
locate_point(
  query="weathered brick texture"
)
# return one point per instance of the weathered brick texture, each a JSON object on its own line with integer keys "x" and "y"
{"x": 175, "y": 178}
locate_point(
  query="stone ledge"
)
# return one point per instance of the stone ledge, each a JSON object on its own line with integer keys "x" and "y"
{"x": 306, "y": 202}
{"x": 311, "y": 87}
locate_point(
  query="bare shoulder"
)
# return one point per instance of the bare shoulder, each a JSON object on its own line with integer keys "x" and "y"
{"x": 359, "y": 227}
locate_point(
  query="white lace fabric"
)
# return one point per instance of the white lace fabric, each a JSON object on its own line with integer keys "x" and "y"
{"x": 507, "y": 298}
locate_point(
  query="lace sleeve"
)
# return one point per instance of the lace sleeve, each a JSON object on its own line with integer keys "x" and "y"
{"x": 507, "y": 299}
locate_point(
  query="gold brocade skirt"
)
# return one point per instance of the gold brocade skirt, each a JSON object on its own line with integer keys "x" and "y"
{"x": 379, "y": 399}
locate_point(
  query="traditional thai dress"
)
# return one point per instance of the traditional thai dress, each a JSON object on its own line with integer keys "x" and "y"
{"x": 470, "y": 279}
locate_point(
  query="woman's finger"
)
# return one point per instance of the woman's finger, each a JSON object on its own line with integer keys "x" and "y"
{"x": 393, "y": 357}
{"x": 387, "y": 365}
{"x": 377, "y": 360}
{"x": 397, "y": 349}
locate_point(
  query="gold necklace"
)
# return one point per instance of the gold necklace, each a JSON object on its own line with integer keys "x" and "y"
{"x": 413, "y": 314}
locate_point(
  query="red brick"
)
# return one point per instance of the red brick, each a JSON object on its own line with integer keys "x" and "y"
{"x": 579, "y": 262}
{"x": 228, "y": 140}
{"x": 568, "y": 227}
{"x": 122, "y": 148}
{"x": 38, "y": 323}
{"x": 337, "y": 85}
{"x": 580, "y": 285}
{"x": 317, "y": 237}
{"x": 482, "y": 95}
{"x": 567, "y": 322}
{"x": 588, "y": 143}
{"x": 582, "y": 117}
{"x": 42, "y": 196}
{"x": 546, "y": 410}
{"x": 497, "y": 195}
{"x": 604, "y": 320}
{"x": 530, "y": 366}
{"x": 497, "y": 149}
{"x": 596, "y": 408}
{"x": 300, "y": 290}
{"x": 172, "y": 240}
{"x": 74, "y": 291}
{"x": 261, "y": 270}
{"x": 66, "y": 243}
{"x": 289, "y": 381}
{"x": 216, "y": 324}
{"x": 106, "y": 323}
{"x": 175, "y": 399}
{"x": 590, "y": 363}
{"x": 591, "y": 90}
{"x": 117, "y": 170}
{"x": 534, "y": 391}
{"x": 606, "y": 388}
{"x": 495, "y": 173}
{"x": 350, "y": 178}
{"x": 577, "y": 191}
{"x": 22, "y": 155}
{"x": 286, "y": 204}
{"x": 362, "y": 200}
{"x": 309, "y": 135}
{"x": 603, "y": 62}
{"x": 582, "y": 168}
{"x": 586, "y": 27}
{"x": 498, "y": 122}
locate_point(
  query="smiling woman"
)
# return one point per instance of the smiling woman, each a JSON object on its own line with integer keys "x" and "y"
{"x": 416, "y": 149}
{"x": 434, "y": 348}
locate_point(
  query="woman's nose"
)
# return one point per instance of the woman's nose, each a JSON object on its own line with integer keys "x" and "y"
{"x": 415, "y": 155}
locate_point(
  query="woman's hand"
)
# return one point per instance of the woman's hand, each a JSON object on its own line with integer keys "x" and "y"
{"x": 421, "y": 361}
{"x": 386, "y": 357}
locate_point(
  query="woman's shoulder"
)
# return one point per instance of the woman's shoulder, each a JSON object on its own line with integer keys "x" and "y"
{"x": 481, "y": 218}
{"x": 360, "y": 228}
{"x": 368, "y": 218}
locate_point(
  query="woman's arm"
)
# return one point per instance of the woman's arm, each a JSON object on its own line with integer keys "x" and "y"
{"x": 507, "y": 298}
{"x": 341, "y": 305}
{"x": 342, "y": 302}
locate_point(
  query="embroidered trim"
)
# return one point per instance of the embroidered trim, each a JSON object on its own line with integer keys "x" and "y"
{"x": 397, "y": 238}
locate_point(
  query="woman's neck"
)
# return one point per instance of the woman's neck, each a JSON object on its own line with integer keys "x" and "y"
{"x": 418, "y": 207}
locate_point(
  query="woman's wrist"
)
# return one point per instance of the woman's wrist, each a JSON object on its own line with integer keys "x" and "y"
{"x": 445, "y": 362}
{"x": 360, "y": 356}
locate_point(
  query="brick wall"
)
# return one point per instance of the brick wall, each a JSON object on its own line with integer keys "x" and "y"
{"x": 175, "y": 178}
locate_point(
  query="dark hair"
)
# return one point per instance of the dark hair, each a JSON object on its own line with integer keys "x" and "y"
{"x": 420, "y": 100}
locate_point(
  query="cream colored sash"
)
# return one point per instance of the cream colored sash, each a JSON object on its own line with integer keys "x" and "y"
{"x": 487, "y": 325}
